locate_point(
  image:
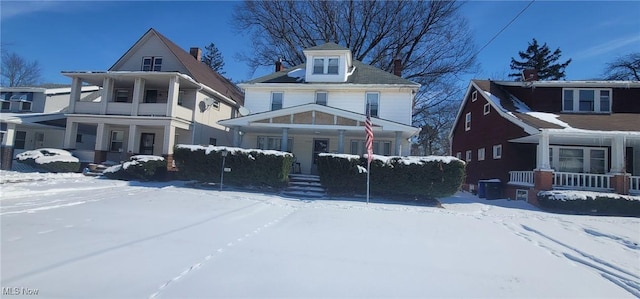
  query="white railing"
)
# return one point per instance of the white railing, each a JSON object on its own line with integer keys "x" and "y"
{"x": 521, "y": 177}
{"x": 88, "y": 108}
{"x": 584, "y": 181}
{"x": 118, "y": 108}
{"x": 152, "y": 109}
{"x": 182, "y": 112}
{"x": 634, "y": 184}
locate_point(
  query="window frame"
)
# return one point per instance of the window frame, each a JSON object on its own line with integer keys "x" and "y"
{"x": 587, "y": 158}
{"x": 154, "y": 65}
{"x": 522, "y": 194}
{"x": 375, "y": 109}
{"x": 474, "y": 96}
{"x": 459, "y": 155}
{"x": 20, "y": 140}
{"x": 25, "y": 106}
{"x": 481, "y": 154}
{"x": 322, "y": 65}
{"x": 274, "y": 106}
{"x": 573, "y": 97}
{"x": 380, "y": 147}
{"x": 486, "y": 109}
{"x": 113, "y": 141}
{"x": 276, "y": 141}
{"x": 117, "y": 97}
{"x": 497, "y": 151}
{"x": 468, "y": 156}
{"x": 7, "y": 103}
{"x": 326, "y": 97}
{"x": 467, "y": 121}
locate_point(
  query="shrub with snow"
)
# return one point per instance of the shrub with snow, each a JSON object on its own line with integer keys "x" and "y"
{"x": 249, "y": 167}
{"x": 426, "y": 177}
{"x": 584, "y": 202}
{"x": 50, "y": 159}
{"x": 139, "y": 167}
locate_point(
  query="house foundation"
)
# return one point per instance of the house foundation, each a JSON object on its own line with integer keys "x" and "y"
{"x": 620, "y": 183}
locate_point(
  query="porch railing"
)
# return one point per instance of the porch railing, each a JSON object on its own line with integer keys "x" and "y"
{"x": 582, "y": 180}
{"x": 521, "y": 177}
{"x": 634, "y": 184}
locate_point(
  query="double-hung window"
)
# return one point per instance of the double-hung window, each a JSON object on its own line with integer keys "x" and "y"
{"x": 372, "y": 103}
{"x": 151, "y": 63}
{"x": 276, "y": 100}
{"x": 117, "y": 141}
{"x": 497, "y": 151}
{"x": 586, "y": 100}
{"x": 481, "y": 154}
{"x": 273, "y": 143}
{"x": 379, "y": 147}
{"x": 467, "y": 121}
{"x": 326, "y": 65}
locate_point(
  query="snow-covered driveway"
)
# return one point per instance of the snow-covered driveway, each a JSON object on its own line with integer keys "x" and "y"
{"x": 72, "y": 236}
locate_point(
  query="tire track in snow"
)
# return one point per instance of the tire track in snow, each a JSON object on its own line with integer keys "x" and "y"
{"x": 219, "y": 251}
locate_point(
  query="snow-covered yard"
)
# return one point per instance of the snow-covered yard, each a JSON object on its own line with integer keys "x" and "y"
{"x": 72, "y": 236}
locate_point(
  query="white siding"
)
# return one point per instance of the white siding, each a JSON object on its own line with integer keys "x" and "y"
{"x": 394, "y": 105}
{"x": 152, "y": 47}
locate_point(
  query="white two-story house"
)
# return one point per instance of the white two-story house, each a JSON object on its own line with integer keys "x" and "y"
{"x": 155, "y": 96}
{"x": 319, "y": 106}
{"x": 33, "y": 117}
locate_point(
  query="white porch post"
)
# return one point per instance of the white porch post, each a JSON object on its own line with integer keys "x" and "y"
{"x": 236, "y": 136}
{"x": 70, "y": 134}
{"x": 543, "y": 151}
{"x": 398, "y": 146}
{"x": 172, "y": 96}
{"x": 340, "y": 141}
{"x": 9, "y": 136}
{"x": 138, "y": 95}
{"x": 101, "y": 135}
{"x": 285, "y": 139}
{"x": 107, "y": 94}
{"x": 617, "y": 154}
{"x": 169, "y": 140}
{"x": 133, "y": 135}
{"x": 76, "y": 91}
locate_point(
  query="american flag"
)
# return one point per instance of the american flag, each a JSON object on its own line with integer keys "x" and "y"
{"x": 369, "y": 131}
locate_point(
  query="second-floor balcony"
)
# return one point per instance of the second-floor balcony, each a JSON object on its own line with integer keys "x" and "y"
{"x": 160, "y": 94}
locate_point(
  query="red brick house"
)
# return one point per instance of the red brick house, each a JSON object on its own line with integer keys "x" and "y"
{"x": 542, "y": 135}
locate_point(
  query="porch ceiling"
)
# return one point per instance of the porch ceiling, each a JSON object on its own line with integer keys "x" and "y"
{"x": 581, "y": 139}
{"x": 158, "y": 80}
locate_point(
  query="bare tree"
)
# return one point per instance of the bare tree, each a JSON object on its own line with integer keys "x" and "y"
{"x": 626, "y": 67}
{"x": 430, "y": 37}
{"x": 16, "y": 71}
{"x": 436, "y": 123}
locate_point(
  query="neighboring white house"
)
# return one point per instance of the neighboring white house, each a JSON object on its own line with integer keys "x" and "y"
{"x": 320, "y": 107}
{"x": 33, "y": 117}
{"x": 155, "y": 96}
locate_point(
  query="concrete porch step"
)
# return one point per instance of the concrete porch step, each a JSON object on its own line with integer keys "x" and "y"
{"x": 304, "y": 186}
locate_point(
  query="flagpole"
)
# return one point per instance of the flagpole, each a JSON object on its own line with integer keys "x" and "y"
{"x": 369, "y": 146}
{"x": 368, "y": 172}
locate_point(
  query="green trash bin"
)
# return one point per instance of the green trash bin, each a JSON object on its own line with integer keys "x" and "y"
{"x": 493, "y": 189}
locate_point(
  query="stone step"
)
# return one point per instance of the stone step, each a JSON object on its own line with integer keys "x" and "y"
{"x": 304, "y": 194}
{"x": 311, "y": 184}
{"x": 305, "y": 189}
{"x": 304, "y": 178}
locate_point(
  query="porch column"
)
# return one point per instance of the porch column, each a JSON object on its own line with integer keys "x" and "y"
{"x": 340, "y": 141}
{"x": 398, "y": 147}
{"x": 138, "y": 95}
{"x": 70, "y": 135}
{"x": 100, "y": 153}
{"x": 133, "y": 136}
{"x": 543, "y": 151}
{"x": 107, "y": 94}
{"x": 169, "y": 140}
{"x": 617, "y": 155}
{"x": 285, "y": 139}
{"x": 7, "y": 147}
{"x": 76, "y": 91}
{"x": 173, "y": 94}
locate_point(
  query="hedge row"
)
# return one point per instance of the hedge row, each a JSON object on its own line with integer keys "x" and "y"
{"x": 428, "y": 177}
{"x": 249, "y": 167}
{"x": 50, "y": 160}
{"x": 140, "y": 168}
{"x": 591, "y": 203}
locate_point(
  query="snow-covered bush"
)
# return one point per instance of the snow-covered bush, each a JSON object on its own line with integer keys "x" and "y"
{"x": 249, "y": 167}
{"x": 50, "y": 160}
{"x": 584, "y": 202}
{"x": 139, "y": 167}
{"x": 427, "y": 177}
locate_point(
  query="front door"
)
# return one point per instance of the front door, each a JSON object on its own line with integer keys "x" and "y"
{"x": 146, "y": 143}
{"x": 319, "y": 146}
{"x": 39, "y": 140}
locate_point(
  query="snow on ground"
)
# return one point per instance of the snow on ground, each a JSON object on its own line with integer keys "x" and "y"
{"x": 72, "y": 236}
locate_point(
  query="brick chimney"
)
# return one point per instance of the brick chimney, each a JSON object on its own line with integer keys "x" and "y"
{"x": 196, "y": 53}
{"x": 397, "y": 67}
{"x": 529, "y": 75}
{"x": 279, "y": 66}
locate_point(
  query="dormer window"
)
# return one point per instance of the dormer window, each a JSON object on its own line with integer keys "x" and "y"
{"x": 151, "y": 64}
{"x": 325, "y": 65}
{"x": 586, "y": 100}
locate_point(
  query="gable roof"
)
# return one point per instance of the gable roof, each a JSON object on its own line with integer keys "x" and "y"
{"x": 197, "y": 70}
{"x": 363, "y": 74}
{"x": 516, "y": 111}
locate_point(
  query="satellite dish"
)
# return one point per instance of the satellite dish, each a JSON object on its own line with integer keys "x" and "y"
{"x": 244, "y": 111}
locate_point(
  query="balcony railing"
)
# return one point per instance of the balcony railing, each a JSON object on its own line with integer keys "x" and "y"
{"x": 144, "y": 109}
{"x": 634, "y": 184}
{"x": 582, "y": 181}
{"x": 521, "y": 178}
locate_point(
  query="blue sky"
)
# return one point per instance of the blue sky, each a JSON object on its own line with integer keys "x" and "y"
{"x": 90, "y": 35}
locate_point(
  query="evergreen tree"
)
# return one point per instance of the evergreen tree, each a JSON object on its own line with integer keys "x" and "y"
{"x": 213, "y": 58}
{"x": 540, "y": 59}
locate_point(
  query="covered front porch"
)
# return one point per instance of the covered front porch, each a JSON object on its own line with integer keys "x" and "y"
{"x": 583, "y": 160}
{"x": 311, "y": 129}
